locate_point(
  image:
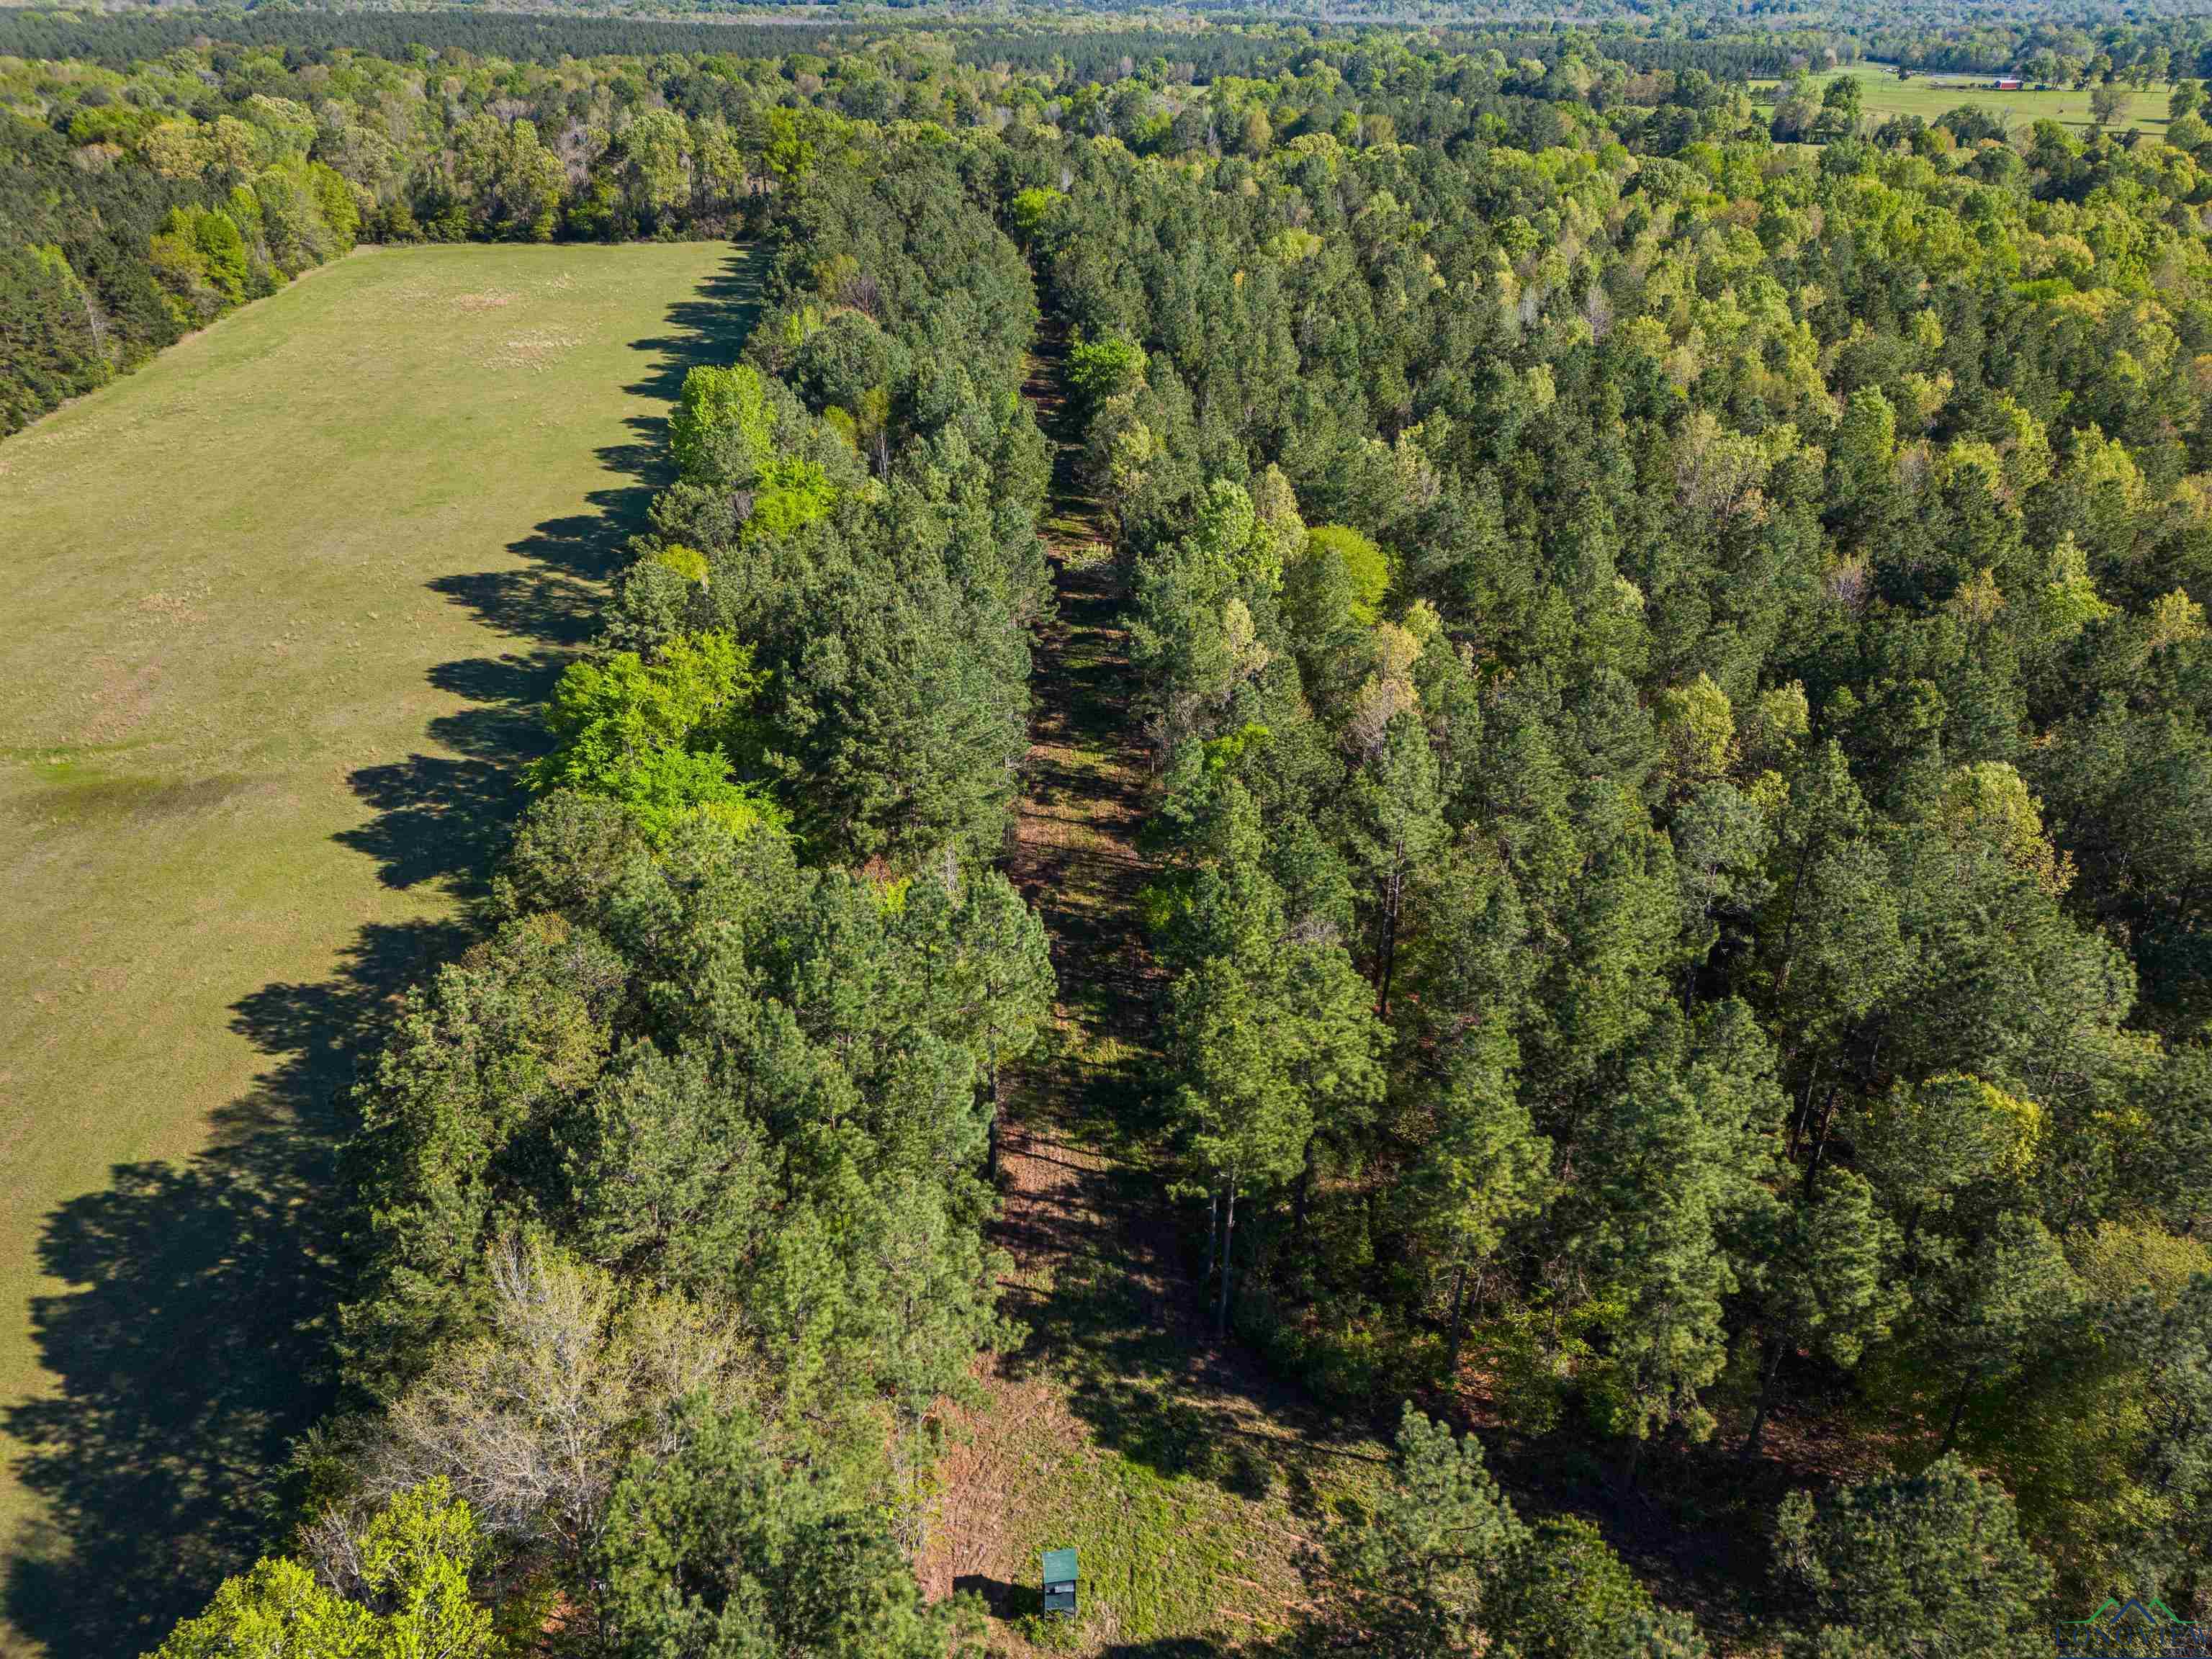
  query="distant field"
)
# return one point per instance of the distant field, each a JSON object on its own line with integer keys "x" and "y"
{"x": 1930, "y": 97}
{"x": 278, "y": 609}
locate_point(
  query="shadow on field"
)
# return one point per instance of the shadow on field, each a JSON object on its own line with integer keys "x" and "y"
{"x": 194, "y": 1344}
{"x": 708, "y": 327}
{"x": 441, "y": 818}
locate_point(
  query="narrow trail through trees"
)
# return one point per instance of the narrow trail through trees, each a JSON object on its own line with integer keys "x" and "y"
{"x": 1191, "y": 1485}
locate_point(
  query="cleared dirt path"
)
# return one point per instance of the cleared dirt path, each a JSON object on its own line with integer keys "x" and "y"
{"x": 1191, "y": 1488}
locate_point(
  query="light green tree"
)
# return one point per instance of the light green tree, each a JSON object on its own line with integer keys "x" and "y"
{"x": 721, "y": 428}
{"x": 410, "y": 1596}
{"x": 659, "y": 736}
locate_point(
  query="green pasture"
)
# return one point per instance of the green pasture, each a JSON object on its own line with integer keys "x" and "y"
{"x": 279, "y": 610}
{"x": 1931, "y": 97}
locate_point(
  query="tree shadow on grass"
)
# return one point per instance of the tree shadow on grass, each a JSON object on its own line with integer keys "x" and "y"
{"x": 194, "y": 1341}
{"x": 1124, "y": 1332}
{"x": 706, "y": 330}
{"x": 444, "y": 818}
{"x": 194, "y": 1344}
{"x": 709, "y": 326}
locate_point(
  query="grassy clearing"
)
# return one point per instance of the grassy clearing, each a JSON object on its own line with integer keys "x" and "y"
{"x": 1174, "y": 1560}
{"x": 281, "y": 607}
{"x": 1195, "y": 1490}
{"x": 1931, "y": 97}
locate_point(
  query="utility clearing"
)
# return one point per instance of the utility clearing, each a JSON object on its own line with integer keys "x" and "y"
{"x": 282, "y": 608}
{"x": 1193, "y": 1488}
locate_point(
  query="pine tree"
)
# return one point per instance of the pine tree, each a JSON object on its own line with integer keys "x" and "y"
{"x": 1932, "y": 1562}
{"x": 1414, "y": 1580}
{"x": 1825, "y": 1263}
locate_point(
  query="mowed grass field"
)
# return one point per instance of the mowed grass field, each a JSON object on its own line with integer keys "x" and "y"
{"x": 279, "y": 611}
{"x": 1931, "y": 97}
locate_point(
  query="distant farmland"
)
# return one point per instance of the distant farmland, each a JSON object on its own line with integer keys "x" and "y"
{"x": 279, "y": 608}
{"x": 1931, "y": 97}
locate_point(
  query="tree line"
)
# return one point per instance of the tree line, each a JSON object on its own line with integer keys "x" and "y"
{"x": 2152, "y": 46}
{"x": 666, "y": 1204}
{"x": 1075, "y": 43}
{"x": 139, "y": 203}
{"x": 158, "y": 170}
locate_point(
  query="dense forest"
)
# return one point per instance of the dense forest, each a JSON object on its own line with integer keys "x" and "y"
{"x": 1670, "y": 664}
{"x": 154, "y": 176}
{"x": 158, "y": 170}
{"x": 1674, "y": 660}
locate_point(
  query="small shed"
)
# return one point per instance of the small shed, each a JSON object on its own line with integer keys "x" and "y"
{"x": 1060, "y": 1581}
